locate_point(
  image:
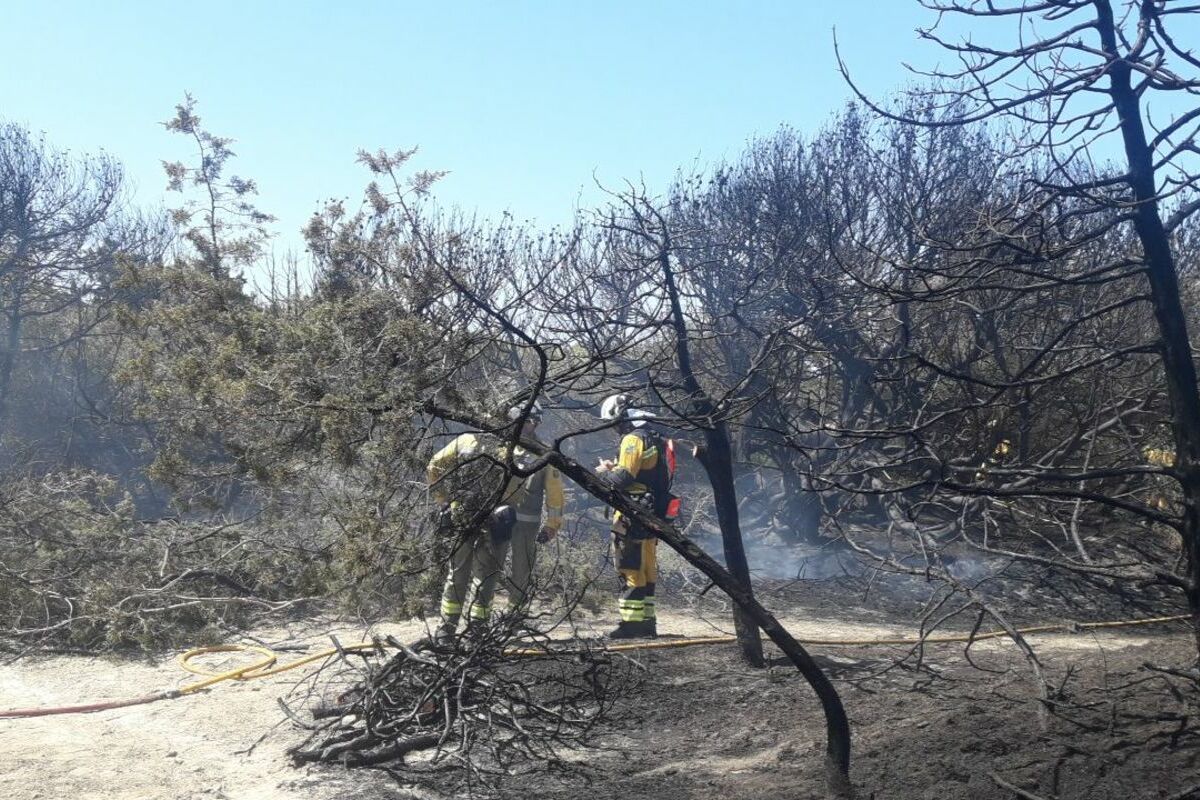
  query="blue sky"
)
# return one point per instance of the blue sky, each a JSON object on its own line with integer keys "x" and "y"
{"x": 522, "y": 101}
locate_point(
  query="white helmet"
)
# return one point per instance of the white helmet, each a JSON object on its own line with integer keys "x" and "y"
{"x": 620, "y": 406}
{"x": 615, "y": 406}
{"x": 535, "y": 411}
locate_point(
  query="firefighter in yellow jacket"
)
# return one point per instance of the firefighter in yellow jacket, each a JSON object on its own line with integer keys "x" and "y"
{"x": 462, "y": 476}
{"x": 644, "y": 469}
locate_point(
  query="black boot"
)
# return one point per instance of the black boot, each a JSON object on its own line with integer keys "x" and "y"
{"x": 634, "y": 630}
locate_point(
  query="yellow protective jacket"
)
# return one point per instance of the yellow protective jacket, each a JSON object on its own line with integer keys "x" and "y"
{"x": 642, "y": 468}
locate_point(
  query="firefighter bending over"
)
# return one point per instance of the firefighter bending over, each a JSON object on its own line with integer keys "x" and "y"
{"x": 463, "y": 476}
{"x": 644, "y": 469}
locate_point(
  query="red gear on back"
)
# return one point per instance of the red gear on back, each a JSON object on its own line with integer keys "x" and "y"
{"x": 673, "y": 505}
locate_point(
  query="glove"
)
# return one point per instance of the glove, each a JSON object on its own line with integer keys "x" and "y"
{"x": 546, "y": 535}
{"x": 501, "y": 523}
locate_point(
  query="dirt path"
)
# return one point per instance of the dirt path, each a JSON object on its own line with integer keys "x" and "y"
{"x": 192, "y": 747}
{"x": 201, "y": 746}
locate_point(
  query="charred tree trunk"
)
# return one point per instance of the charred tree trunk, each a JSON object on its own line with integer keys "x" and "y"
{"x": 1176, "y": 347}
{"x": 718, "y": 461}
{"x": 800, "y": 505}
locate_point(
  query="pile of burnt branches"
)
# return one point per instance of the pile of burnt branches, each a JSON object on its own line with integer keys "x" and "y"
{"x": 485, "y": 701}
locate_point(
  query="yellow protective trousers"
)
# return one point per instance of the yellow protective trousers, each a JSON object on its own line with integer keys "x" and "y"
{"x": 473, "y": 565}
{"x": 637, "y": 561}
{"x": 478, "y": 559}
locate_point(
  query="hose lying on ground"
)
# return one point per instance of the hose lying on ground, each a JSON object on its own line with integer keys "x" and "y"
{"x": 266, "y": 665}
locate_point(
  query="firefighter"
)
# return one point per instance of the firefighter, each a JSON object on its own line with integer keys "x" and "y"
{"x": 462, "y": 475}
{"x": 644, "y": 469}
{"x": 538, "y": 521}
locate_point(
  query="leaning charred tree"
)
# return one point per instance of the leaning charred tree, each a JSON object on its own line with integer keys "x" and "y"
{"x": 837, "y": 726}
{"x": 1070, "y": 274}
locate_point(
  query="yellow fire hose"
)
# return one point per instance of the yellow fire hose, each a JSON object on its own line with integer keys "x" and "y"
{"x": 902, "y": 640}
{"x": 266, "y": 665}
{"x": 259, "y": 669}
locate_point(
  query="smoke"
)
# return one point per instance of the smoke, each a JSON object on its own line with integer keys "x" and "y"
{"x": 773, "y": 559}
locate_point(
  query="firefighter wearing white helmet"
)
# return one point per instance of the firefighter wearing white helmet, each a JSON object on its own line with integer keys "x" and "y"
{"x": 644, "y": 469}
{"x": 467, "y": 473}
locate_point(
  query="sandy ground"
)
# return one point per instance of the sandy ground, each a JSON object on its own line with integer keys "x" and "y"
{"x": 208, "y": 745}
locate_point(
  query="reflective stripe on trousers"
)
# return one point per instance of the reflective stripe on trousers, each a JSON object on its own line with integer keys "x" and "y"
{"x": 473, "y": 566}
{"x": 637, "y": 561}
